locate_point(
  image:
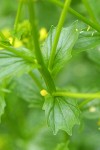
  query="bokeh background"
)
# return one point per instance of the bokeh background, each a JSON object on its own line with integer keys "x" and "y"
{"x": 23, "y": 125}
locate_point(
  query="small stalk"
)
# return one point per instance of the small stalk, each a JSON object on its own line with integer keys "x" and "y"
{"x": 77, "y": 95}
{"x": 43, "y": 70}
{"x": 82, "y": 104}
{"x": 57, "y": 35}
{"x": 17, "y": 19}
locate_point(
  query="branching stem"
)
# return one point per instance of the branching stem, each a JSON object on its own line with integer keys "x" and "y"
{"x": 43, "y": 70}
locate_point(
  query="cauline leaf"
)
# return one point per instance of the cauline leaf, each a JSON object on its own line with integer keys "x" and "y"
{"x": 68, "y": 37}
{"x": 61, "y": 113}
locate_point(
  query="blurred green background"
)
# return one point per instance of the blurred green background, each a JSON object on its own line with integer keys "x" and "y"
{"x": 23, "y": 125}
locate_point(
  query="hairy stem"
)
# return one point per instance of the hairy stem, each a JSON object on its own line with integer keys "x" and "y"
{"x": 57, "y": 35}
{"x": 43, "y": 70}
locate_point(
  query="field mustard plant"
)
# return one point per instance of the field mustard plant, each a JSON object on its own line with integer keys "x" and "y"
{"x": 53, "y": 72}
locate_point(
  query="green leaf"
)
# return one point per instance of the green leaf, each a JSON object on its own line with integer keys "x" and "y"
{"x": 61, "y": 113}
{"x": 66, "y": 42}
{"x": 94, "y": 54}
{"x": 2, "y": 104}
{"x": 20, "y": 52}
{"x": 87, "y": 40}
{"x": 12, "y": 64}
{"x": 27, "y": 90}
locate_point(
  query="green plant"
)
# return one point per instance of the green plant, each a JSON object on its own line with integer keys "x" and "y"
{"x": 37, "y": 65}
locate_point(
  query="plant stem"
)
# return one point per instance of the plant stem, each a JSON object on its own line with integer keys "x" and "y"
{"x": 77, "y": 95}
{"x": 43, "y": 70}
{"x": 33, "y": 76}
{"x": 88, "y": 7}
{"x": 17, "y": 19}
{"x": 58, "y": 31}
{"x": 79, "y": 16}
{"x": 85, "y": 102}
{"x": 2, "y": 36}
